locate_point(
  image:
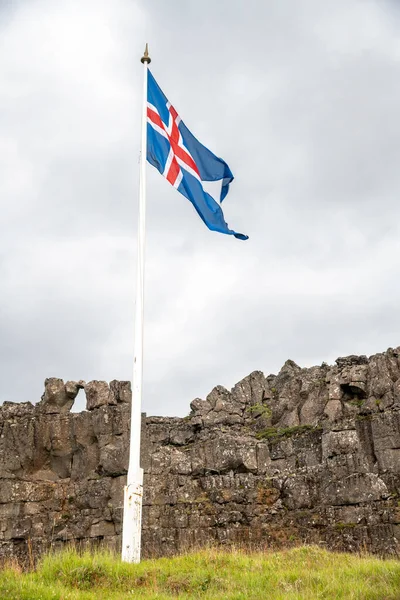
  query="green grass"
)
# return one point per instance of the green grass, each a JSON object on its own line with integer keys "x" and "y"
{"x": 285, "y": 432}
{"x": 301, "y": 573}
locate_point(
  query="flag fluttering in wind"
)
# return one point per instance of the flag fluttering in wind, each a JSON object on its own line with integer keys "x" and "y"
{"x": 184, "y": 161}
{"x": 170, "y": 147}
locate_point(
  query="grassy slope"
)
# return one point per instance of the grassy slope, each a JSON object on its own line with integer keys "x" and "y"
{"x": 300, "y": 573}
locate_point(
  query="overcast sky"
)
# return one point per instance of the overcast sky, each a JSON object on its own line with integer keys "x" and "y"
{"x": 302, "y": 100}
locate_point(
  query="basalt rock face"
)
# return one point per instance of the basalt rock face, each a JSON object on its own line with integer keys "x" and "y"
{"x": 309, "y": 455}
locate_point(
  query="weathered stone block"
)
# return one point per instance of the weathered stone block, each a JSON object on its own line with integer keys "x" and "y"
{"x": 200, "y": 407}
{"x": 121, "y": 391}
{"x": 55, "y": 398}
{"x": 98, "y": 394}
{"x": 180, "y": 462}
{"x": 340, "y": 442}
{"x": 355, "y": 489}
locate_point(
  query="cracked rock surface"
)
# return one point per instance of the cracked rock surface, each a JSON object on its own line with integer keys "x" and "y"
{"x": 307, "y": 455}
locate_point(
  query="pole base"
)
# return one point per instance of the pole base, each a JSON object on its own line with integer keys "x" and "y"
{"x": 132, "y": 521}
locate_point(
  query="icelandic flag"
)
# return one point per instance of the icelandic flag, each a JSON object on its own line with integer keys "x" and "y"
{"x": 183, "y": 161}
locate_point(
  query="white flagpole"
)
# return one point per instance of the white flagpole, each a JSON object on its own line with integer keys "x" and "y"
{"x": 133, "y": 491}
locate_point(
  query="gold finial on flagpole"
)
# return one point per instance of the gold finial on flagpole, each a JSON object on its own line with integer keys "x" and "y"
{"x": 146, "y": 57}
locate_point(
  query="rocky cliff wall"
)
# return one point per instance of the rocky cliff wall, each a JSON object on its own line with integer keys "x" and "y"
{"x": 308, "y": 455}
